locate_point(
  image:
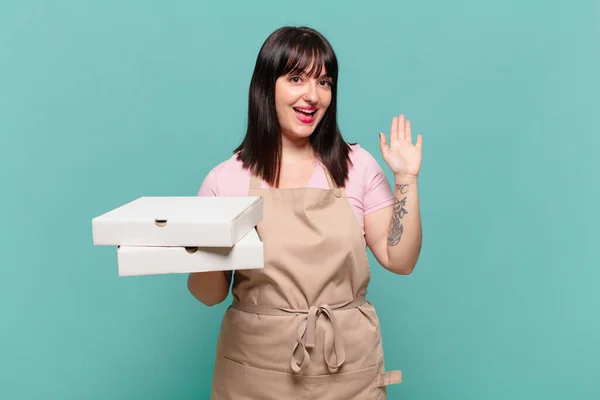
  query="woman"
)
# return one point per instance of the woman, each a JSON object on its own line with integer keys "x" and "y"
{"x": 301, "y": 328}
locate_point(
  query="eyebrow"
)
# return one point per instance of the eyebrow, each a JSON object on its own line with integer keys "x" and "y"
{"x": 325, "y": 76}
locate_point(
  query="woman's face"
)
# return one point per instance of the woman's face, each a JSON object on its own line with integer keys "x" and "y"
{"x": 301, "y": 102}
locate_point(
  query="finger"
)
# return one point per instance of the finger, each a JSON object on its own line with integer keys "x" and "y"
{"x": 408, "y": 136}
{"x": 394, "y": 129}
{"x": 420, "y": 141}
{"x": 401, "y": 131}
{"x": 382, "y": 143}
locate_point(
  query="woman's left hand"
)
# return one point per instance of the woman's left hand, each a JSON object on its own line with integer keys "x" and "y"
{"x": 401, "y": 155}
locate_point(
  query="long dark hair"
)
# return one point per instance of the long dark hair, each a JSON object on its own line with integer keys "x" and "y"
{"x": 291, "y": 50}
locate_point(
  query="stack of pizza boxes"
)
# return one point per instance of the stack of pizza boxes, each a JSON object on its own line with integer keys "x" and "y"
{"x": 169, "y": 235}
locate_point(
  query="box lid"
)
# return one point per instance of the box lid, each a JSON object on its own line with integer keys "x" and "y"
{"x": 186, "y": 209}
{"x": 179, "y": 221}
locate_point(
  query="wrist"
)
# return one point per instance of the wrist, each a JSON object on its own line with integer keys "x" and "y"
{"x": 405, "y": 178}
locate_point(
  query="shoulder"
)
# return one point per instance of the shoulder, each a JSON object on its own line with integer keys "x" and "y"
{"x": 228, "y": 178}
{"x": 367, "y": 182}
{"x": 363, "y": 162}
{"x": 229, "y": 166}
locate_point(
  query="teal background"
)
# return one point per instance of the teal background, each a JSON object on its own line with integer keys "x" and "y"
{"x": 103, "y": 102}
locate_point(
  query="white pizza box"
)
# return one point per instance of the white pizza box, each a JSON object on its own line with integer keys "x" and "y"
{"x": 179, "y": 221}
{"x": 247, "y": 253}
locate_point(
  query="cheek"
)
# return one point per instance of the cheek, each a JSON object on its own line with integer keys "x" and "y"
{"x": 280, "y": 104}
{"x": 325, "y": 100}
{"x": 283, "y": 101}
{"x": 282, "y": 96}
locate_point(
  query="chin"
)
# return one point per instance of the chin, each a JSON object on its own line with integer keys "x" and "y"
{"x": 303, "y": 132}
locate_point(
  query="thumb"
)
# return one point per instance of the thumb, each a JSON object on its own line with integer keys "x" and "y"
{"x": 383, "y": 144}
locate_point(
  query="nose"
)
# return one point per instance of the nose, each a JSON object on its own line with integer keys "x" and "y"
{"x": 311, "y": 94}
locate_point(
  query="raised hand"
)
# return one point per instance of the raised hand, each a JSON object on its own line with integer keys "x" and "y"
{"x": 401, "y": 155}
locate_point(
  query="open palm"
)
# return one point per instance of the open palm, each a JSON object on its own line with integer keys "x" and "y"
{"x": 401, "y": 155}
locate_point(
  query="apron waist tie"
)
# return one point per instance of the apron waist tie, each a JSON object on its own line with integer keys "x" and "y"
{"x": 307, "y": 330}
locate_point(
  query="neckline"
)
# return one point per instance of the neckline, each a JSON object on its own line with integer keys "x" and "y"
{"x": 257, "y": 183}
{"x": 308, "y": 183}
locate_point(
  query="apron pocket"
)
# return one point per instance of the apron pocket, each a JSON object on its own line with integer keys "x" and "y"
{"x": 355, "y": 385}
{"x": 235, "y": 381}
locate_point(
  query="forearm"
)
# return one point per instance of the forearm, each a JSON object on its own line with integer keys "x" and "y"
{"x": 404, "y": 233}
{"x": 210, "y": 288}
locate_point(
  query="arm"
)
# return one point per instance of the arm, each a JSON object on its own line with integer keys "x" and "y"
{"x": 394, "y": 233}
{"x": 211, "y": 287}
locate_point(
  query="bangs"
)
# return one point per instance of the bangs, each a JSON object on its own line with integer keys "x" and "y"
{"x": 309, "y": 57}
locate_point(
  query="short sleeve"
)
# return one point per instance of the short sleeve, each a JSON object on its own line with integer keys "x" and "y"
{"x": 209, "y": 186}
{"x": 378, "y": 192}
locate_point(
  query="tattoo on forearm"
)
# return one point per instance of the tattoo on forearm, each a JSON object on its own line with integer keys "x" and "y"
{"x": 396, "y": 228}
{"x": 402, "y": 188}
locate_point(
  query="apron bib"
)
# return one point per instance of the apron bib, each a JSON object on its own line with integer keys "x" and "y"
{"x": 301, "y": 328}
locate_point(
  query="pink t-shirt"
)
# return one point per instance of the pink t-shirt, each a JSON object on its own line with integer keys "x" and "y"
{"x": 367, "y": 187}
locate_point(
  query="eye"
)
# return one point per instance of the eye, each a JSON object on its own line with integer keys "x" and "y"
{"x": 326, "y": 82}
{"x": 295, "y": 79}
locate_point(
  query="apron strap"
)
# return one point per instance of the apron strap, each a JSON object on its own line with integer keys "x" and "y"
{"x": 388, "y": 378}
{"x": 334, "y": 352}
{"x": 332, "y": 184}
{"x": 255, "y": 181}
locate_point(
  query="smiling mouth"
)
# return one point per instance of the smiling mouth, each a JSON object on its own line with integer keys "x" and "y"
{"x": 305, "y": 116}
{"x": 308, "y": 113}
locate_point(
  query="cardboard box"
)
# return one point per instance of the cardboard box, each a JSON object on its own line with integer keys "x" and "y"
{"x": 248, "y": 253}
{"x": 179, "y": 221}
